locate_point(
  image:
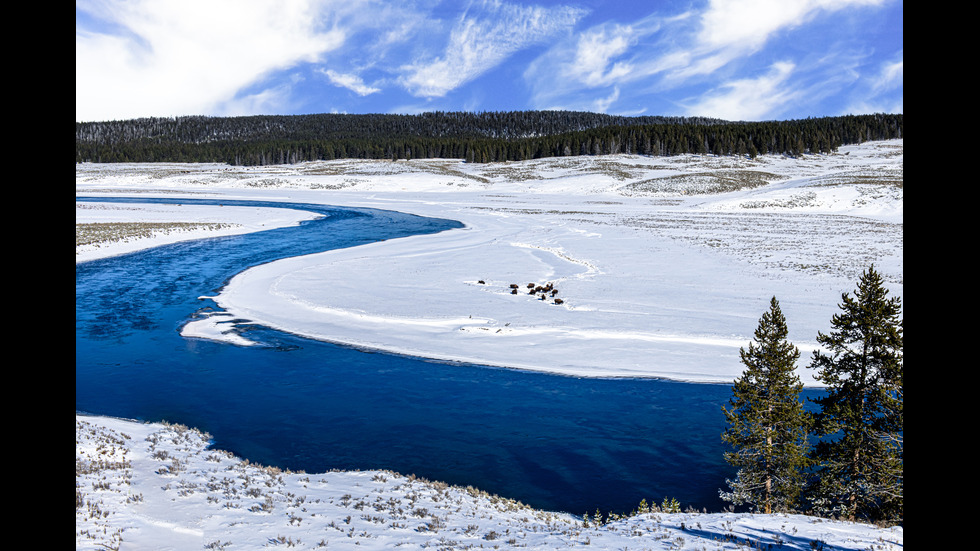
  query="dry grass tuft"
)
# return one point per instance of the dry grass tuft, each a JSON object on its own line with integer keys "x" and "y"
{"x": 100, "y": 233}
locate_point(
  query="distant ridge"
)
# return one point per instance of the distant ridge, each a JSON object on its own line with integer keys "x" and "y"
{"x": 475, "y": 137}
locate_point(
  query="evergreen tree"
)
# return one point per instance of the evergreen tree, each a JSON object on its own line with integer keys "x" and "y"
{"x": 859, "y": 459}
{"x": 767, "y": 423}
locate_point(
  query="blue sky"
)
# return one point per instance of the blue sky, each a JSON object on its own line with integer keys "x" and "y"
{"x": 731, "y": 59}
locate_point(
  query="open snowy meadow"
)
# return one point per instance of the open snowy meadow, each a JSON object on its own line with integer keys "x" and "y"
{"x": 621, "y": 266}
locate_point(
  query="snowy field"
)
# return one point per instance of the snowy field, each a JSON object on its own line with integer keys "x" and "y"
{"x": 160, "y": 487}
{"x": 663, "y": 267}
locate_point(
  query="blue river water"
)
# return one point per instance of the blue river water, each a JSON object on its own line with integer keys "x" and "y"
{"x": 553, "y": 442}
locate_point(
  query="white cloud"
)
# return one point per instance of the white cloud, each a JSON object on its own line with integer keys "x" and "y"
{"x": 351, "y": 82}
{"x": 602, "y": 104}
{"x": 480, "y": 42}
{"x": 171, "y": 57}
{"x": 748, "y": 24}
{"x": 748, "y": 99}
{"x": 882, "y": 92}
{"x": 735, "y": 29}
{"x": 892, "y": 75}
{"x": 270, "y": 100}
{"x": 593, "y": 63}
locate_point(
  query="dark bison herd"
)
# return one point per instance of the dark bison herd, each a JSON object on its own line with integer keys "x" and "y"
{"x": 543, "y": 292}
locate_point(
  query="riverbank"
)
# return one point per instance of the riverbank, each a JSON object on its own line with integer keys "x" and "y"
{"x": 103, "y": 230}
{"x": 143, "y": 486}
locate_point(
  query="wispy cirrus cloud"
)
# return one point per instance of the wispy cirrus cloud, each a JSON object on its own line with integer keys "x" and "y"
{"x": 603, "y": 56}
{"x": 353, "y": 83}
{"x": 882, "y": 94}
{"x": 733, "y": 29}
{"x": 481, "y": 39}
{"x": 891, "y": 75}
{"x": 718, "y": 56}
{"x": 740, "y": 99}
{"x": 597, "y": 58}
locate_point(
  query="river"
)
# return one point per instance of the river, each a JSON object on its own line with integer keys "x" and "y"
{"x": 554, "y": 442}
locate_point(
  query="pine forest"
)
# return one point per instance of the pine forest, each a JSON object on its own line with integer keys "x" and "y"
{"x": 473, "y": 137}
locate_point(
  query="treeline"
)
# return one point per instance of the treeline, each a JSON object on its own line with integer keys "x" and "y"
{"x": 474, "y": 137}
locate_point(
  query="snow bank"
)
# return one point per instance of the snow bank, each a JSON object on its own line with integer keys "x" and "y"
{"x": 165, "y": 224}
{"x": 156, "y": 486}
